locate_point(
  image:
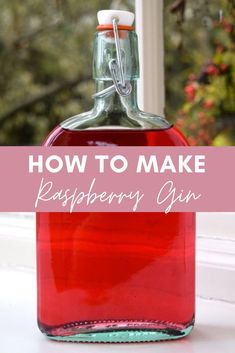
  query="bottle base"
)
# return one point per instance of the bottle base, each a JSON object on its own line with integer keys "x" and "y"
{"x": 114, "y": 332}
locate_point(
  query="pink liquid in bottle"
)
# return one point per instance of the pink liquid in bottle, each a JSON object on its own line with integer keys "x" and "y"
{"x": 116, "y": 276}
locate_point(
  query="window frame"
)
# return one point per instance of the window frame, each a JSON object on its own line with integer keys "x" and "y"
{"x": 149, "y": 27}
{"x": 215, "y": 231}
{"x": 215, "y": 250}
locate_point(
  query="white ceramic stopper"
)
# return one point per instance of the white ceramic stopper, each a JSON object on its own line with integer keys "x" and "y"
{"x": 126, "y": 18}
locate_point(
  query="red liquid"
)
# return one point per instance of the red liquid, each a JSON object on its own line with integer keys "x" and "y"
{"x": 136, "y": 267}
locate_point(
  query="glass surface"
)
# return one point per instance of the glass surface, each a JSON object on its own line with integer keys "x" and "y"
{"x": 116, "y": 277}
{"x": 114, "y": 110}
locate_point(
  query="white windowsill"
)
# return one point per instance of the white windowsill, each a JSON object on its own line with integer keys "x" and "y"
{"x": 215, "y": 319}
{"x": 216, "y": 256}
{"x": 215, "y": 250}
{"x": 213, "y": 333}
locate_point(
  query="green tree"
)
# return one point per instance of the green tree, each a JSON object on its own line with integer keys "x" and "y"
{"x": 200, "y": 69}
{"x": 46, "y": 61}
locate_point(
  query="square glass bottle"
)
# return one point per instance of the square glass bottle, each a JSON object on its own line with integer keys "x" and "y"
{"x": 115, "y": 277}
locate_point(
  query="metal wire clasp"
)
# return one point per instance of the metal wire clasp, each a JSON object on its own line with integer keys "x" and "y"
{"x": 120, "y": 85}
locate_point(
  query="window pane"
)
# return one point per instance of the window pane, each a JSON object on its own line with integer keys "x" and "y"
{"x": 200, "y": 69}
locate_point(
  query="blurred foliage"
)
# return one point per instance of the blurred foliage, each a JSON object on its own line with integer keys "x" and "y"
{"x": 46, "y": 64}
{"x": 200, "y": 69}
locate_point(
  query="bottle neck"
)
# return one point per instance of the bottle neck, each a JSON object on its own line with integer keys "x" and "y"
{"x": 114, "y": 110}
{"x": 115, "y": 102}
{"x": 104, "y": 53}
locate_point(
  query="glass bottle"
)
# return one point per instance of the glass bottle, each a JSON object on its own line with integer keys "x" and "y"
{"x": 115, "y": 277}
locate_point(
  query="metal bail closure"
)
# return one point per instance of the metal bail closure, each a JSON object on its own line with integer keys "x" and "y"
{"x": 122, "y": 90}
{"x": 120, "y": 85}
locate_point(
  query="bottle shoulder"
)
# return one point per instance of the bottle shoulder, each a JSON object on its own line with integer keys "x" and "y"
{"x": 103, "y": 118}
{"x": 115, "y": 136}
